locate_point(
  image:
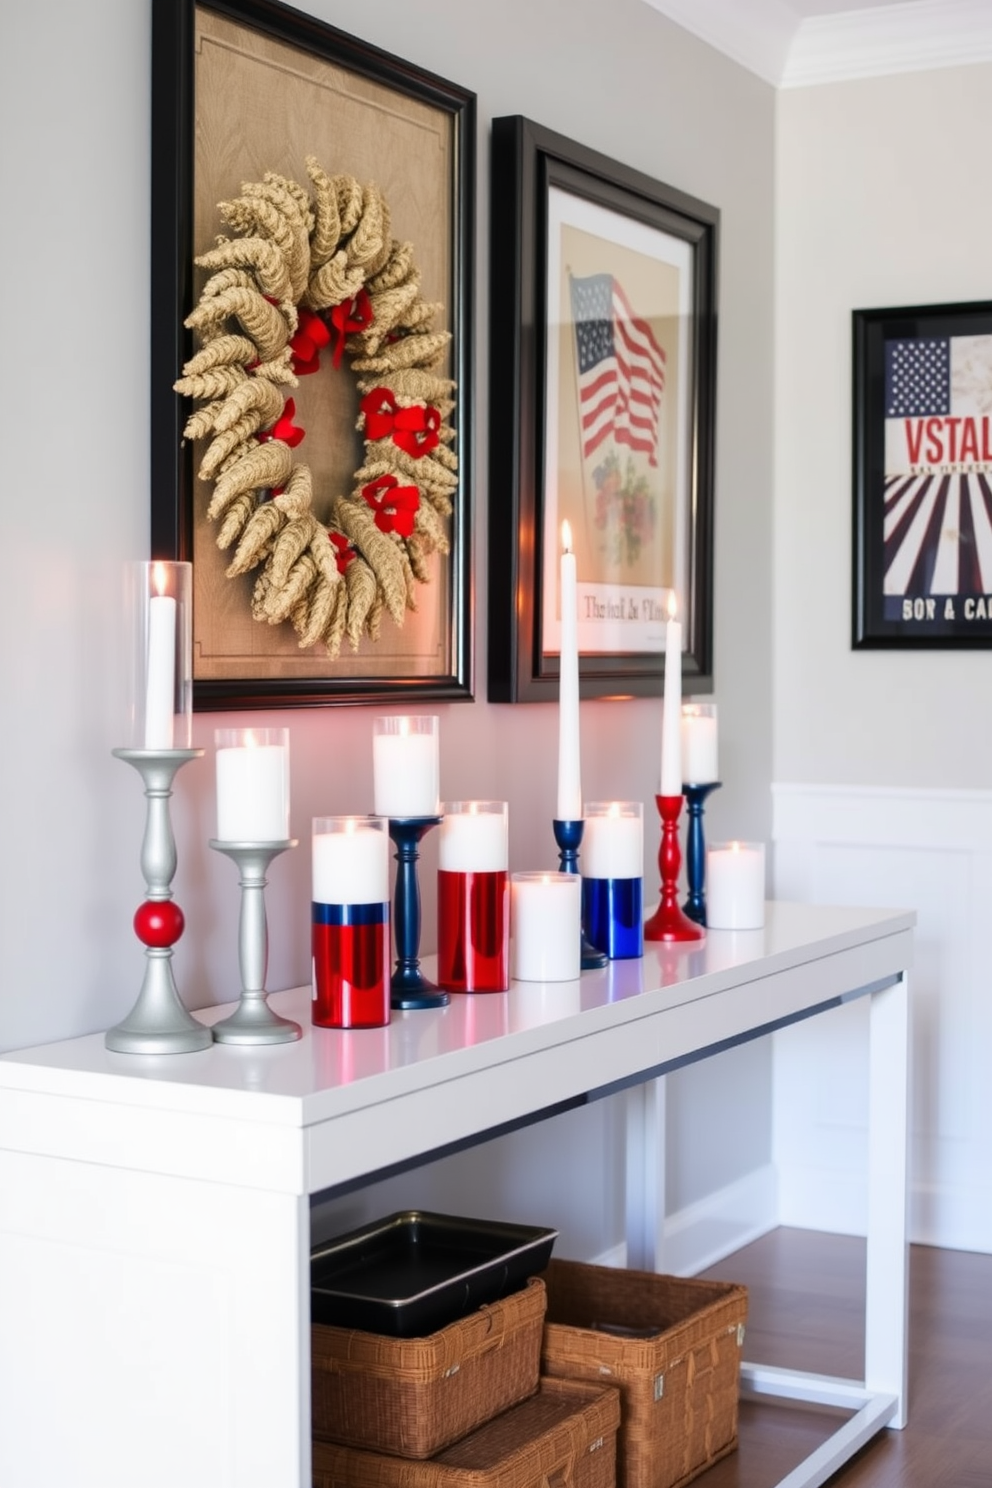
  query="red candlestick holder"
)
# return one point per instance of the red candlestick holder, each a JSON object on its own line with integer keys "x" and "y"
{"x": 669, "y": 922}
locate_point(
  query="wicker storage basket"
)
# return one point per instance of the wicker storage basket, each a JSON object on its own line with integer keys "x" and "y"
{"x": 679, "y": 1387}
{"x": 413, "y": 1396}
{"x": 565, "y": 1434}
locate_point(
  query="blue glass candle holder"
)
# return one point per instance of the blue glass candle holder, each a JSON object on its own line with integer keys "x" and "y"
{"x": 612, "y": 914}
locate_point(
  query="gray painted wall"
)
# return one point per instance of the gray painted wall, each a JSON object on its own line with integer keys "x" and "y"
{"x": 74, "y": 136}
{"x": 880, "y": 203}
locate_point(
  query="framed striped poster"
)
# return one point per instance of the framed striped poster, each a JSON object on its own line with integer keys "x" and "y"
{"x": 923, "y": 476}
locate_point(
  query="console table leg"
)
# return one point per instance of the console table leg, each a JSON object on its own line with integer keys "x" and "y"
{"x": 887, "y": 1265}
{"x": 645, "y": 1175}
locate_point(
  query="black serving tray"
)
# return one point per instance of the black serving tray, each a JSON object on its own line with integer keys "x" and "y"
{"x": 412, "y": 1273}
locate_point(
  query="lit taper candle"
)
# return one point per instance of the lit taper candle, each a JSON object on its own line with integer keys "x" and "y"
{"x": 671, "y": 715}
{"x": 569, "y": 772}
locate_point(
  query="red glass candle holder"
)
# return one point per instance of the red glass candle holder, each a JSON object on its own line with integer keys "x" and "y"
{"x": 351, "y": 966}
{"x": 473, "y": 931}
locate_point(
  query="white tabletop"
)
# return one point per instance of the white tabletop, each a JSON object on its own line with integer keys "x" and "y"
{"x": 329, "y": 1072}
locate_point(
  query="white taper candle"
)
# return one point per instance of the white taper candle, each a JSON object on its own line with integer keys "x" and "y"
{"x": 569, "y": 769}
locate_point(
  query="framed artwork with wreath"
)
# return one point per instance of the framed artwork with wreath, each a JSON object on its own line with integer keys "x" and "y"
{"x": 603, "y": 378}
{"x": 312, "y": 243}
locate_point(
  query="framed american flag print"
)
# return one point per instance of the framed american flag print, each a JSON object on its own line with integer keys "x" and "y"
{"x": 923, "y": 476}
{"x": 603, "y": 369}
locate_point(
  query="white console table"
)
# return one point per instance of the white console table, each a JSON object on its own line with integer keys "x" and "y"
{"x": 154, "y": 1211}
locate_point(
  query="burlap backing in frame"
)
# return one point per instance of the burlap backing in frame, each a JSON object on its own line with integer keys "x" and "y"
{"x": 263, "y": 105}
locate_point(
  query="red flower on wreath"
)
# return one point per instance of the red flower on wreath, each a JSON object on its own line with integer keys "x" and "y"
{"x": 345, "y": 552}
{"x": 413, "y": 430}
{"x": 349, "y": 316}
{"x": 395, "y": 506}
{"x": 284, "y": 428}
{"x": 379, "y": 408}
{"x": 312, "y": 335}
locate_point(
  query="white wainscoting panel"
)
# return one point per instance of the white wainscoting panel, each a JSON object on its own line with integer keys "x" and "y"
{"x": 928, "y": 850}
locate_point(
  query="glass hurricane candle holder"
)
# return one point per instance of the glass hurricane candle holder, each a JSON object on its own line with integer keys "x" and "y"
{"x": 350, "y": 922}
{"x": 735, "y": 879}
{"x": 405, "y": 766}
{"x": 613, "y": 877}
{"x": 473, "y": 897}
{"x": 699, "y": 743}
{"x": 158, "y": 627}
{"x": 546, "y": 919}
{"x": 252, "y": 784}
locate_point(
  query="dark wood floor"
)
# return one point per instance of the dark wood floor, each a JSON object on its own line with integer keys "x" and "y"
{"x": 806, "y": 1311}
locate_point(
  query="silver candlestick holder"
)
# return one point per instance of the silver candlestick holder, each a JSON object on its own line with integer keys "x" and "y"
{"x": 158, "y": 1023}
{"x": 253, "y": 1021}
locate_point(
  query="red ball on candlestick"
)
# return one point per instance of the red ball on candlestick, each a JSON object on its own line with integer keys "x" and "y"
{"x": 158, "y": 923}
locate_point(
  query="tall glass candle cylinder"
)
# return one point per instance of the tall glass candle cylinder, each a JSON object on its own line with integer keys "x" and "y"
{"x": 252, "y": 784}
{"x": 546, "y": 924}
{"x": 612, "y": 877}
{"x": 473, "y": 897}
{"x": 405, "y": 766}
{"x": 735, "y": 886}
{"x": 159, "y": 632}
{"x": 350, "y": 922}
{"x": 699, "y": 744}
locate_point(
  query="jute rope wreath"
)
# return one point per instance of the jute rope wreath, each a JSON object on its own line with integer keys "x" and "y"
{"x": 311, "y": 270}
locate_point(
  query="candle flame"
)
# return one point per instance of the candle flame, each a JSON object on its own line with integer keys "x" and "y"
{"x": 159, "y": 578}
{"x": 566, "y": 537}
{"x": 672, "y": 605}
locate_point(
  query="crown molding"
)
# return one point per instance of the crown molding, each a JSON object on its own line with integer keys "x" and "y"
{"x": 769, "y": 38}
{"x": 915, "y": 36}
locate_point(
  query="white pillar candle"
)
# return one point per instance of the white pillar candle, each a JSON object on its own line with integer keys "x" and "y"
{"x": 350, "y": 857}
{"x": 405, "y": 766}
{"x": 735, "y": 886}
{"x": 613, "y": 840}
{"x": 699, "y": 743}
{"x": 671, "y": 714}
{"x": 252, "y": 785}
{"x": 160, "y": 671}
{"x": 473, "y": 837}
{"x": 569, "y": 770}
{"x": 545, "y": 927}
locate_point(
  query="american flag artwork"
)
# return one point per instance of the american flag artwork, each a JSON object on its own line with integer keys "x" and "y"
{"x": 621, "y": 367}
{"x": 937, "y": 516}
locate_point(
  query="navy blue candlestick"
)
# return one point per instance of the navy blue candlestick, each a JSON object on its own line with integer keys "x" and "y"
{"x": 409, "y": 988}
{"x": 695, "y": 850}
{"x": 568, "y": 836}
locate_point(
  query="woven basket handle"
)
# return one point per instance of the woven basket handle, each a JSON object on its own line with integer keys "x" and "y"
{"x": 496, "y": 1335}
{"x": 559, "y": 1477}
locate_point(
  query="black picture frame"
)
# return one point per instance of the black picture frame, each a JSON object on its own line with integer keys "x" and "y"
{"x": 922, "y": 478}
{"x": 174, "y": 123}
{"x": 530, "y": 164}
